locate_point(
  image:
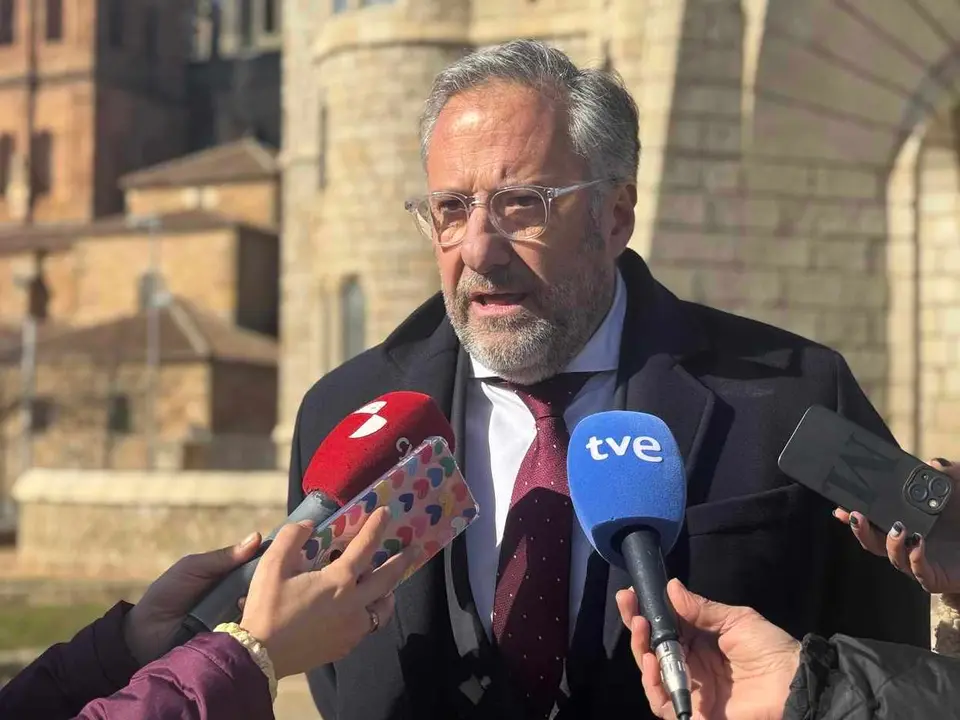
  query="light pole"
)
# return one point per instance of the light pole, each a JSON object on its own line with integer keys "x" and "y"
{"x": 151, "y": 223}
{"x": 36, "y": 301}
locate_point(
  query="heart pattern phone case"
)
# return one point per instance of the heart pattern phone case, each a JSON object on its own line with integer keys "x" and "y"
{"x": 430, "y": 504}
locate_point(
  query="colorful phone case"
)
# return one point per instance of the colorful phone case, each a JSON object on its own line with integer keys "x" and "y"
{"x": 430, "y": 504}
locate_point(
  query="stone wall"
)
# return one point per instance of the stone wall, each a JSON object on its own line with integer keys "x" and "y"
{"x": 216, "y": 416}
{"x": 300, "y": 311}
{"x": 254, "y": 202}
{"x": 135, "y": 524}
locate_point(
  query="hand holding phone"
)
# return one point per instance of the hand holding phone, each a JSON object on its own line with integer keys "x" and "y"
{"x": 912, "y": 520}
{"x": 430, "y": 504}
{"x": 859, "y": 471}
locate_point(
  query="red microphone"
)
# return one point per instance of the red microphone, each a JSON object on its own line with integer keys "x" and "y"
{"x": 363, "y": 446}
{"x": 370, "y": 441}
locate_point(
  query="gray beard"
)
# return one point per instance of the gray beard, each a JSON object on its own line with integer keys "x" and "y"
{"x": 526, "y": 348}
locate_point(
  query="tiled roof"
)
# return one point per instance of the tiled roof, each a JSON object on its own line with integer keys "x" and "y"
{"x": 16, "y": 239}
{"x": 187, "y": 334}
{"x": 245, "y": 159}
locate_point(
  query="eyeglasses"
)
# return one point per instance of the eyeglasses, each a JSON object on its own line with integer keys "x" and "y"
{"x": 518, "y": 212}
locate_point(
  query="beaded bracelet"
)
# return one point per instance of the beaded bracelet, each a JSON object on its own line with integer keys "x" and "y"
{"x": 257, "y": 651}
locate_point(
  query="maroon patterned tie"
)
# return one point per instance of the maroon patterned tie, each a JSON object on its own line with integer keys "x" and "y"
{"x": 531, "y": 605}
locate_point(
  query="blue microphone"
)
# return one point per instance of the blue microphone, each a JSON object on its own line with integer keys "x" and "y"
{"x": 629, "y": 492}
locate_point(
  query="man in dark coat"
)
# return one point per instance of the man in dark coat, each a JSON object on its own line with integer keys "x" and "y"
{"x": 531, "y": 165}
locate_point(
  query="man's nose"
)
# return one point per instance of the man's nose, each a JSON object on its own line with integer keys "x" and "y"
{"x": 483, "y": 247}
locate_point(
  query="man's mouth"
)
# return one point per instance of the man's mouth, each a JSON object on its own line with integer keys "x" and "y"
{"x": 493, "y": 299}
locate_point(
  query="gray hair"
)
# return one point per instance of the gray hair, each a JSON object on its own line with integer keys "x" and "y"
{"x": 603, "y": 123}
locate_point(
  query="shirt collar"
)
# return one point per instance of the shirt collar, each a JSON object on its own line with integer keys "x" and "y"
{"x": 602, "y": 351}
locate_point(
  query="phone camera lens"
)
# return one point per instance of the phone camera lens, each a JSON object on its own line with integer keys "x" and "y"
{"x": 933, "y": 503}
{"x": 918, "y": 493}
{"x": 924, "y": 476}
{"x": 939, "y": 487}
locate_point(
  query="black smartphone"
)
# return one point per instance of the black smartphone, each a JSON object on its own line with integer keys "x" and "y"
{"x": 859, "y": 471}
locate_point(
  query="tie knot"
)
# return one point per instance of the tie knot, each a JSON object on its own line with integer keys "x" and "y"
{"x": 550, "y": 397}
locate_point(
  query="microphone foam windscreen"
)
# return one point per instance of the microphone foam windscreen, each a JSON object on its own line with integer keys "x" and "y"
{"x": 371, "y": 440}
{"x": 625, "y": 471}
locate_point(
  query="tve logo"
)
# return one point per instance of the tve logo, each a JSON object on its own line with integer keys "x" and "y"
{"x": 373, "y": 423}
{"x": 642, "y": 446}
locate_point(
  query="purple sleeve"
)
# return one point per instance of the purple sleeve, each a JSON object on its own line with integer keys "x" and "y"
{"x": 212, "y": 677}
{"x": 94, "y": 677}
{"x": 96, "y": 663}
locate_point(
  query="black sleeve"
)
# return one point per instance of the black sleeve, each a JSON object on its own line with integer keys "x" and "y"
{"x": 867, "y": 597}
{"x": 322, "y": 680}
{"x": 847, "y": 679}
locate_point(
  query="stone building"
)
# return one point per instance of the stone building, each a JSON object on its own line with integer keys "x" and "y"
{"x": 208, "y": 220}
{"x": 214, "y": 401}
{"x": 799, "y": 166}
{"x": 233, "y": 79}
{"x": 206, "y": 226}
{"x": 89, "y": 90}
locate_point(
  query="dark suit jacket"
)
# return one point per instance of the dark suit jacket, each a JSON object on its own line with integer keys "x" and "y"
{"x": 731, "y": 390}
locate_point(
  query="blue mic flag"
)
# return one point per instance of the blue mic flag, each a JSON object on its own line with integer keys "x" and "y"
{"x": 625, "y": 471}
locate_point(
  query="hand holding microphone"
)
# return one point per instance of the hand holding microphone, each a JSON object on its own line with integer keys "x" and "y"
{"x": 740, "y": 664}
{"x": 304, "y": 619}
{"x": 309, "y": 619}
{"x": 357, "y": 452}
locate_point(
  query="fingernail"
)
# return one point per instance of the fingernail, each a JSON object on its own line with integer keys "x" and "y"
{"x": 944, "y": 462}
{"x": 896, "y": 529}
{"x": 912, "y": 541}
{"x": 248, "y": 539}
{"x": 854, "y": 521}
{"x": 306, "y": 523}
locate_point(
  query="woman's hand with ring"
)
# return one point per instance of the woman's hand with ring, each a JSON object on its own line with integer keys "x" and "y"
{"x": 309, "y": 619}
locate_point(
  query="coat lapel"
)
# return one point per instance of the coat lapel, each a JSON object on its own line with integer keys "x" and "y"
{"x": 658, "y": 337}
{"x": 439, "y": 368}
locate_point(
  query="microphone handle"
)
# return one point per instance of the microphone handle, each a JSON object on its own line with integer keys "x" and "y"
{"x": 641, "y": 550}
{"x": 220, "y": 604}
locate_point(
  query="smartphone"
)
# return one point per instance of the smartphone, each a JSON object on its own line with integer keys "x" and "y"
{"x": 430, "y": 504}
{"x": 859, "y": 471}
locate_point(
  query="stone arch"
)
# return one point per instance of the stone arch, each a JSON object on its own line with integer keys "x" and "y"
{"x": 843, "y": 95}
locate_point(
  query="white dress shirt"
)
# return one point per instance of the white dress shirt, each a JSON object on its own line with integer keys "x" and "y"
{"x": 496, "y": 418}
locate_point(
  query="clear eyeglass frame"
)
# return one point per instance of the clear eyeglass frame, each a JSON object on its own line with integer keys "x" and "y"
{"x": 419, "y": 209}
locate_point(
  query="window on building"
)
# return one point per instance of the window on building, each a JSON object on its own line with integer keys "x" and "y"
{"x": 6, "y": 161}
{"x": 41, "y": 163}
{"x": 353, "y": 316}
{"x": 7, "y": 20}
{"x": 322, "y": 148}
{"x": 341, "y": 5}
{"x": 118, "y": 414}
{"x": 54, "y": 20}
{"x": 270, "y": 24}
{"x": 115, "y": 23}
{"x": 245, "y": 20}
{"x": 151, "y": 33}
{"x": 41, "y": 414}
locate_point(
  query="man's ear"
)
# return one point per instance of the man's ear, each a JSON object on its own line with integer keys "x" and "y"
{"x": 622, "y": 218}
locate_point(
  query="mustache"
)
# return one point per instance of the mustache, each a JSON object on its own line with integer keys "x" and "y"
{"x": 501, "y": 279}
